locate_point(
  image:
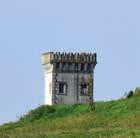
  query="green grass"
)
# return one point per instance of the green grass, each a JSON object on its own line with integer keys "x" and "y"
{"x": 113, "y": 119}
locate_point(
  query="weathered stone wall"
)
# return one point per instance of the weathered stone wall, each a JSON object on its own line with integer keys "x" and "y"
{"x": 70, "y": 96}
{"x": 73, "y": 93}
{"x": 74, "y": 70}
{"x": 85, "y": 78}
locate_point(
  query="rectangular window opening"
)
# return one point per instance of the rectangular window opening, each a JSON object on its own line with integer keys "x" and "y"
{"x": 84, "y": 89}
{"x": 82, "y": 67}
{"x": 62, "y": 88}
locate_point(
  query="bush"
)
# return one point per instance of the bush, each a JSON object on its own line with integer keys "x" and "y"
{"x": 130, "y": 94}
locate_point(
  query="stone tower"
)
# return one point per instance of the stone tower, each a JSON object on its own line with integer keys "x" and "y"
{"x": 69, "y": 77}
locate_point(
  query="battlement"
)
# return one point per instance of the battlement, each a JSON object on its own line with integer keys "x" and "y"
{"x": 57, "y": 57}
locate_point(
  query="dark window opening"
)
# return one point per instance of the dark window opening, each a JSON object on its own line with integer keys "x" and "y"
{"x": 76, "y": 66}
{"x": 63, "y": 66}
{"x": 82, "y": 58}
{"x": 82, "y": 67}
{"x": 70, "y": 66}
{"x": 88, "y": 67}
{"x": 92, "y": 58}
{"x": 84, "y": 89}
{"x": 57, "y": 65}
{"x": 62, "y": 88}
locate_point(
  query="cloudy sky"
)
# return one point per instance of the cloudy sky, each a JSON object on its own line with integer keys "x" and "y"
{"x": 29, "y": 28}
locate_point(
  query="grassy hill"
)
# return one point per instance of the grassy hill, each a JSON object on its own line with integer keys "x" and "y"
{"x": 115, "y": 119}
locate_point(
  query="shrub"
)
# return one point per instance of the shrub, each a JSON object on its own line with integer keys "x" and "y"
{"x": 130, "y": 94}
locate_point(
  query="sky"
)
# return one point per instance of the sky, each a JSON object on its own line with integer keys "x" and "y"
{"x": 28, "y": 28}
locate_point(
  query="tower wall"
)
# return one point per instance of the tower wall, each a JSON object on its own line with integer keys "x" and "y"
{"x": 48, "y": 88}
{"x": 68, "y": 77}
{"x": 73, "y": 92}
{"x": 48, "y": 77}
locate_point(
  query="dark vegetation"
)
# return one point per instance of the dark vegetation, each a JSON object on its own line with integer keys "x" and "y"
{"x": 130, "y": 94}
{"x": 113, "y": 119}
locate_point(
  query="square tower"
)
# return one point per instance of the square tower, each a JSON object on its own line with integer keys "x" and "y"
{"x": 69, "y": 77}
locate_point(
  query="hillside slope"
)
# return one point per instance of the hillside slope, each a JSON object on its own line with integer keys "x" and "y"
{"x": 120, "y": 118}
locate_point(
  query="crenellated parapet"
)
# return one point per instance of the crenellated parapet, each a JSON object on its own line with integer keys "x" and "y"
{"x": 69, "y": 62}
{"x": 55, "y": 57}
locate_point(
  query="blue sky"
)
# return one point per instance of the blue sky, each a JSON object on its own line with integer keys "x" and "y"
{"x": 29, "y": 28}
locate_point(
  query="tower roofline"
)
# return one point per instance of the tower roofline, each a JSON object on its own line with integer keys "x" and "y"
{"x": 69, "y": 57}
